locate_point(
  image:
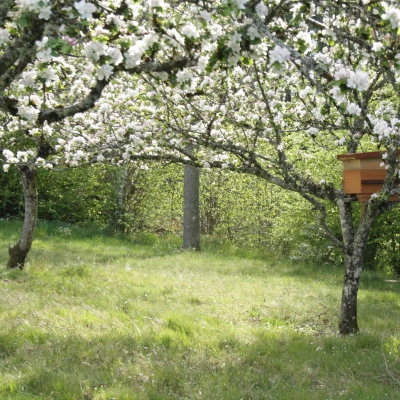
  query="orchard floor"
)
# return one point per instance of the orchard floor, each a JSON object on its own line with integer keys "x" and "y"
{"x": 96, "y": 317}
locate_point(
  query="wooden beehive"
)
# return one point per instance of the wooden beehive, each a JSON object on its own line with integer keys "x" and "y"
{"x": 363, "y": 174}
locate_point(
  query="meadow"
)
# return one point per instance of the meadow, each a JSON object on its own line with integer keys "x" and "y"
{"x": 99, "y": 317}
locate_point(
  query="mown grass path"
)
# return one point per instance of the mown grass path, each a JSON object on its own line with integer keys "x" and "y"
{"x": 93, "y": 317}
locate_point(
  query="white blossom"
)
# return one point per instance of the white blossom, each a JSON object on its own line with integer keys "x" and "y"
{"x": 279, "y": 54}
{"x": 115, "y": 54}
{"x": 353, "y": 109}
{"x": 358, "y": 80}
{"x": 48, "y": 75}
{"x": 252, "y": 33}
{"x": 183, "y": 76}
{"x": 4, "y": 36}
{"x": 377, "y": 46}
{"x": 29, "y": 113}
{"x": 28, "y": 79}
{"x": 176, "y": 35}
{"x": 104, "y": 72}
{"x": 261, "y": 10}
{"x": 94, "y": 50}
{"x": 156, "y": 3}
{"x": 342, "y": 73}
{"x": 45, "y": 13}
{"x": 44, "y": 55}
{"x": 190, "y": 31}
{"x": 85, "y": 9}
{"x": 393, "y": 15}
{"x": 241, "y": 4}
{"x": 312, "y": 131}
{"x": 10, "y": 157}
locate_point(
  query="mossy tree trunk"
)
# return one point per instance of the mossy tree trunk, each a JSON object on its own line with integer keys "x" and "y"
{"x": 18, "y": 253}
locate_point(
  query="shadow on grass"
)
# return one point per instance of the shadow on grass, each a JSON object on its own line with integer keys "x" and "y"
{"x": 173, "y": 365}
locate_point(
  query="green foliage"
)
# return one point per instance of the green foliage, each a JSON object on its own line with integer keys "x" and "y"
{"x": 11, "y": 196}
{"x": 240, "y": 212}
{"x": 81, "y": 196}
{"x": 153, "y": 199}
{"x": 250, "y": 213}
{"x": 383, "y": 251}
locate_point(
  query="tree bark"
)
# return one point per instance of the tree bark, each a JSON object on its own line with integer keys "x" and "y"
{"x": 18, "y": 253}
{"x": 191, "y": 208}
{"x": 355, "y": 244}
{"x": 122, "y": 180}
{"x": 348, "y": 310}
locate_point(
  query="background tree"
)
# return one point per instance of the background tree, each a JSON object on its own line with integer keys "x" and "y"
{"x": 191, "y": 207}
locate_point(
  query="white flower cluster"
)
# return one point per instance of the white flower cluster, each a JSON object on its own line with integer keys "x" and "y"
{"x": 384, "y": 129}
{"x": 94, "y": 50}
{"x": 185, "y": 77}
{"x": 392, "y": 14}
{"x": 84, "y": 9}
{"x": 104, "y": 72}
{"x": 10, "y": 157}
{"x": 353, "y": 109}
{"x": 28, "y": 112}
{"x": 134, "y": 54}
{"x": 41, "y": 7}
{"x": 234, "y": 44}
{"x": 156, "y": 3}
{"x": 190, "y": 31}
{"x": 358, "y": 80}
{"x": 261, "y": 10}
{"x": 43, "y": 52}
{"x": 355, "y": 79}
{"x": 253, "y": 33}
{"x": 28, "y": 79}
{"x": 278, "y": 54}
{"x": 20, "y": 157}
{"x": 4, "y": 36}
{"x": 176, "y": 37}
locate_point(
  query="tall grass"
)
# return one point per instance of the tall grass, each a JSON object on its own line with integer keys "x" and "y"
{"x": 96, "y": 317}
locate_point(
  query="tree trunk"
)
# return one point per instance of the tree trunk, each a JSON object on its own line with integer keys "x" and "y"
{"x": 122, "y": 180}
{"x": 18, "y": 253}
{"x": 355, "y": 243}
{"x": 191, "y": 208}
{"x": 348, "y": 309}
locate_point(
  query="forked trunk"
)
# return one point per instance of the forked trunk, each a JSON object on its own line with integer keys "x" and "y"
{"x": 18, "y": 253}
{"x": 355, "y": 243}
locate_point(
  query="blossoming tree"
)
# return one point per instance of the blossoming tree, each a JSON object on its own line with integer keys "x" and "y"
{"x": 57, "y": 58}
{"x": 267, "y": 88}
{"x": 290, "y": 85}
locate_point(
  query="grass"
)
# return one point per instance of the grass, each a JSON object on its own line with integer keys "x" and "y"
{"x": 95, "y": 317}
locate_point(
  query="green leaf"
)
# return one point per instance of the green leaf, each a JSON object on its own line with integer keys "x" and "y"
{"x": 247, "y": 61}
{"x": 55, "y": 43}
{"x": 227, "y": 10}
{"x": 66, "y": 48}
{"x": 255, "y": 41}
{"x": 23, "y": 21}
{"x": 326, "y": 109}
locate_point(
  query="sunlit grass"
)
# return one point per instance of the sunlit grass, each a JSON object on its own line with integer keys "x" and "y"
{"x": 96, "y": 317}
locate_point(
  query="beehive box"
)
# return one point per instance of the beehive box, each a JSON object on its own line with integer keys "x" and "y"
{"x": 363, "y": 174}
